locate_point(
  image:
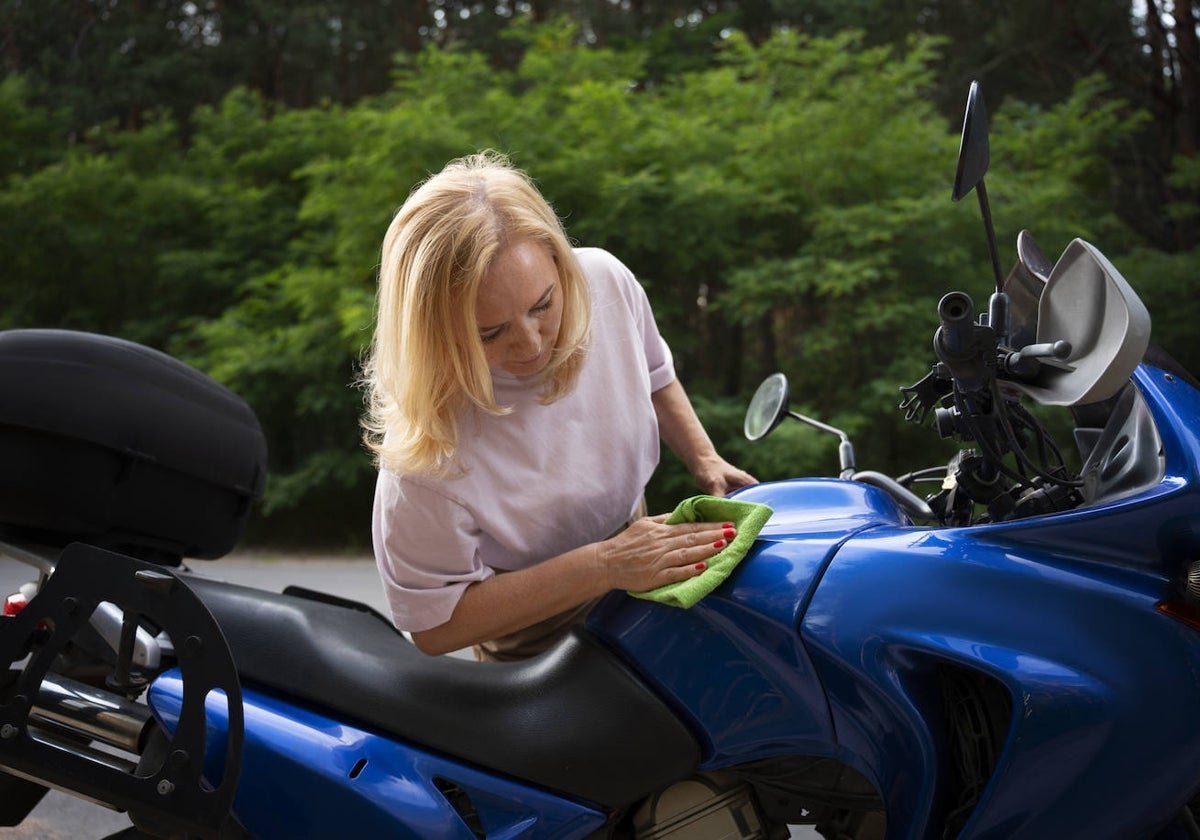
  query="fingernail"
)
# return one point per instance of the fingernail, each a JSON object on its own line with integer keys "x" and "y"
{"x": 730, "y": 533}
{"x": 700, "y": 567}
{"x": 719, "y": 544}
{"x": 727, "y": 525}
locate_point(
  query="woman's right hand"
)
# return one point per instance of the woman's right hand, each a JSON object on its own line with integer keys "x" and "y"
{"x": 649, "y": 553}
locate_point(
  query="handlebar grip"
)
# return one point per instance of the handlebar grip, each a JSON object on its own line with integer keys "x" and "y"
{"x": 956, "y": 312}
{"x": 955, "y": 342}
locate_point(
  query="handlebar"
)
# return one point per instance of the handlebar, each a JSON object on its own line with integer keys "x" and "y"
{"x": 956, "y": 343}
{"x": 956, "y": 312}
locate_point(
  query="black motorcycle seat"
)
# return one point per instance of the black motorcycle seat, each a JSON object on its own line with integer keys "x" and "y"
{"x": 574, "y": 720}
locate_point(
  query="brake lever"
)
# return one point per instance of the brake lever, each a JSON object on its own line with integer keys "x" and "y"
{"x": 1029, "y": 359}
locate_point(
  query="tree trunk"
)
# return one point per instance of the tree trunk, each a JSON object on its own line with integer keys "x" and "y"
{"x": 1187, "y": 50}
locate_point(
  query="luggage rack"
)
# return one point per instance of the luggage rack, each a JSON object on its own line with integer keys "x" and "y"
{"x": 107, "y": 619}
{"x": 40, "y": 556}
{"x": 51, "y": 722}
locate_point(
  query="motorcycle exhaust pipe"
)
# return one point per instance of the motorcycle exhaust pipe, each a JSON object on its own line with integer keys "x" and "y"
{"x": 66, "y": 704}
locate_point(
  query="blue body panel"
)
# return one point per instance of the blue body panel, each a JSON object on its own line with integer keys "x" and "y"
{"x": 827, "y": 641}
{"x": 841, "y": 592}
{"x": 734, "y": 664}
{"x": 308, "y": 776}
{"x": 1101, "y": 683}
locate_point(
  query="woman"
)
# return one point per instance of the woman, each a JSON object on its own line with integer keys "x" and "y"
{"x": 517, "y": 389}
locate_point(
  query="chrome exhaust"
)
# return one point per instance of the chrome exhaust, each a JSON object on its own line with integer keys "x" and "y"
{"x": 66, "y": 704}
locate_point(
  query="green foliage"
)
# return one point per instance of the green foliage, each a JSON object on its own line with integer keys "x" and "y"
{"x": 786, "y": 205}
{"x": 85, "y": 233}
{"x": 1165, "y": 282}
{"x": 1076, "y": 134}
{"x": 33, "y": 136}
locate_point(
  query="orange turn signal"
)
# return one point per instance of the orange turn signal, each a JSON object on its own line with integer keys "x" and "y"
{"x": 1180, "y": 611}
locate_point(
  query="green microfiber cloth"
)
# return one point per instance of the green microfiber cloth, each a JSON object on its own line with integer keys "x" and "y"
{"x": 747, "y": 517}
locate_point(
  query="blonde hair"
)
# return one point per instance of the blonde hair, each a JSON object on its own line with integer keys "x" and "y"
{"x": 427, "y": 369}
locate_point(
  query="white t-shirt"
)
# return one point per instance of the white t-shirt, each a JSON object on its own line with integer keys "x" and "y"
{"x": 539, "y": 481}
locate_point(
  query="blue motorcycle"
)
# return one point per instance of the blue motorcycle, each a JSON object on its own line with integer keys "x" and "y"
{"x": 1013, "y": 655}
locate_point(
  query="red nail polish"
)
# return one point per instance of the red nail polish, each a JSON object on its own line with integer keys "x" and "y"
{"x": 730, "y": 533}
{"x": 719, "y": 544}
{"x": 727, "y": 525}
{"x": 700, "y": 567}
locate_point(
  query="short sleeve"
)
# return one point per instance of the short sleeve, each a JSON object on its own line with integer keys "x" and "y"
{"x": 659, "y": 361}
{"x": 427, "y": 550}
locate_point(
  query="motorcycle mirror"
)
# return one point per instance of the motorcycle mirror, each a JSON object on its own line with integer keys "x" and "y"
{"x": 974, "y": 153}
{"x": 768, "y": 407}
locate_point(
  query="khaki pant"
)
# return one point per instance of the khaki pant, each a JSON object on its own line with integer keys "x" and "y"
{"x": 538, "y": 637}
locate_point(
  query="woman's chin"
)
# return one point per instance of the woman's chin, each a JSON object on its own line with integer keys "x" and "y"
{"x": 527, "y": 369}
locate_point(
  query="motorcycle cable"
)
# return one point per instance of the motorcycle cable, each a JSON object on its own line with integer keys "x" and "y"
{"x": 1044, "y": 440}
{"x": 970, "y": 415}
{"x": 1035, "y": 427}
{"x": 993, "y": 456}
{"x": 930, "y": 474}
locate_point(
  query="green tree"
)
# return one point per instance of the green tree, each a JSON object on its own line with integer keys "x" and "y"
{"x": 33, "y": 136}
{"x": 786, "y": 209}
{"x": 83, "y": 236}
{"x": 786, "y": 204}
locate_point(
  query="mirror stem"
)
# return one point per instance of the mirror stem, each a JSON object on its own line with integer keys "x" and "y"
{"x": 986, "y": 210}
{"x": 845, "y": 448}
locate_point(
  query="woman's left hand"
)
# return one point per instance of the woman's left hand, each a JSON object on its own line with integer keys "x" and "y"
{"x": 683, "y": 433}
{"x": 717, "y": 477}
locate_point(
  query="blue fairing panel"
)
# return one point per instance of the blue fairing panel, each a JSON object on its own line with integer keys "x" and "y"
{"x": 734, "y": 664}
{"x": 807, "y": 506}
{"x": 305, "y": 775}
{"x": 812, "y": 517}
{"x": 1093, "y": 670}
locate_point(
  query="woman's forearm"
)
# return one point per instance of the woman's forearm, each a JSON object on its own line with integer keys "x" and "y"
{"x": 679, "y": 426}
{"x": 646, "y": 555}
{"x": 684, "y": 434}
{"x": 505, "y": 603}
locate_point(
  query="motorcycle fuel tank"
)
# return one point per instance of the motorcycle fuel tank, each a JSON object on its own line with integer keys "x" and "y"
{"x": 735, "y": 660}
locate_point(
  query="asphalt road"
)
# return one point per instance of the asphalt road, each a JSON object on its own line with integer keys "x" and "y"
{"x": 64, "y": 817}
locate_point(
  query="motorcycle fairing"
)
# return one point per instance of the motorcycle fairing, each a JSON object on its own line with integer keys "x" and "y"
{"x": 534, "y": 721}
{"x": 1069, "y": 629}
{"x": 1175, "y": 403}
{"x": 1092, "y": 669}
{"x": 308, "y": 775}
{"x": 812, "y": 516}
{"x": 1168, "y": 507}
{"x": 734, "y": 663}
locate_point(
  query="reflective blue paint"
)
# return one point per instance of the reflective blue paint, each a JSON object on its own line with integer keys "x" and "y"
{"x": 1175, "y": 406}
{"x": 734, "y": 664}
{"x": 744, "y": 683}
{"x": 812, "y": 517}
{"x": 812, "y": 506}
{"x": 1093, "y": 672}
{"x": 827, "y": 641}
{"x": 296, "y": 780}
{"x": 1059, "y": 610}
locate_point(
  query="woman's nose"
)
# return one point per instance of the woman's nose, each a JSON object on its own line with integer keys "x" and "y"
{"x": 527, "y": 341}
